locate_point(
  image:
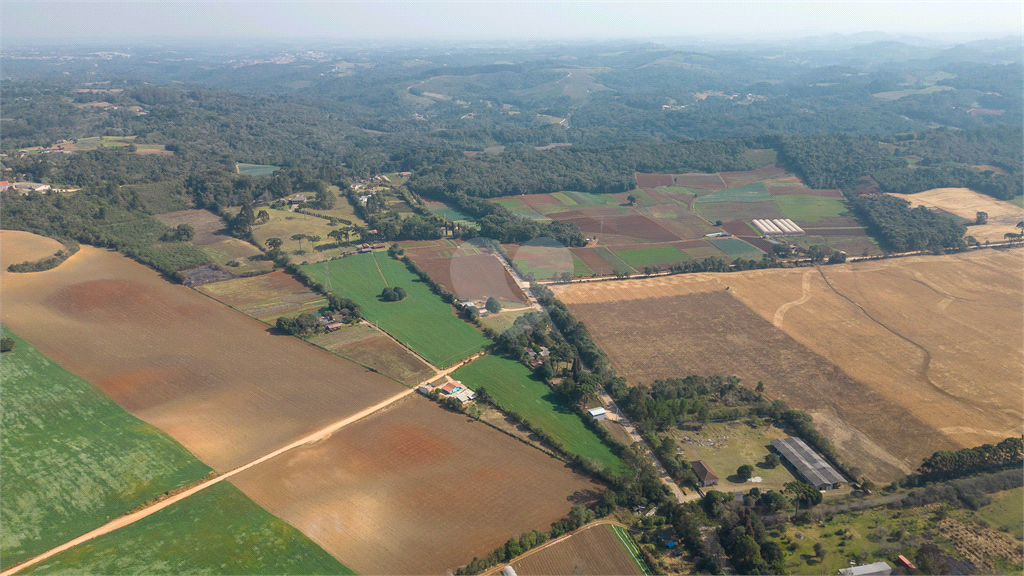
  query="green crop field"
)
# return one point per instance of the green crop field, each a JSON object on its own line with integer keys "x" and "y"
{"x": 257, "y": 169}
{"x": 622, "y": 535}
{"x": 564, "y": 198}
{"x": 617, "y": 264}
{"x": 736, "y": 248}
{"x": 516, "y": 389}
{"x": 216, "y": 531}
{"x": 756, "y": 192}
{"x": 72, "y": 458}
{"x": 422, "y": 321}
{"x": 448, "y": 212}
{"x": 588, "y": 199}
{"x": 509, "y": 203}
{"x": 649, "y": 256}
{"x": 1004, "y": 513}
{"x": 809, "y": 208}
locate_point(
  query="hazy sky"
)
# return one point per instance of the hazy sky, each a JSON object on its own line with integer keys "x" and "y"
{"x": 505, "y": 20}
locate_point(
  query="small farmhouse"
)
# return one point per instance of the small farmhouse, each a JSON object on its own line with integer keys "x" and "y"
{"x": 704, "y": 473}
{"x": 876, "y": 569}
{"x": 297, "y": 199}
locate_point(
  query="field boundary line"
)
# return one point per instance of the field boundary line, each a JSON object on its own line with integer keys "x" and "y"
{"x": 629, "y": 545}
{"x": 133, "y": 517}
{"x": 379, "y": 271}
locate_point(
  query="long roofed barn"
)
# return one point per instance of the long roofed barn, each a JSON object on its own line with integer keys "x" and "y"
{"x": 808, "y": 463}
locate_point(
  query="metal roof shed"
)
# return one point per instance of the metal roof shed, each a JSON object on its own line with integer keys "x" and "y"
{"x": 815, "y": 470}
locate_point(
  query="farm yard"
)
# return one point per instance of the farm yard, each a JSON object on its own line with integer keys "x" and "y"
{"x": 415, "y": 489}
{"x": 514, "y": 387}
{"x": 221, "y": 529}
{"x": 593, "y": 550}
{"x": 726, "y": 446}
{"x": 1002, "y": 216}
{"x": 466, "y": 269}
{"x": 63, "y": 478}
{"x": 212, "y": 237}
{"x": 951, "y": 376}
{"x": 422, "y": 321}
{"x": 225, "y": 404}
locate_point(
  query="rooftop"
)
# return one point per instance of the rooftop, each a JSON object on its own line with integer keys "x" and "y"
{"x": 811, "y": 466}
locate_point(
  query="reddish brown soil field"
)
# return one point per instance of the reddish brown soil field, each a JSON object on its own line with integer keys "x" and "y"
{"x": 738, "y": 228}
{"x": 265, "y": 297}
{"x": 215, "y": 380}
{"x": 748, "y": 176}
{"x": 627, "y": 225}
{"x": 474, "y": 277}
{"x": 593, "y": 551}
{"x": 653, "y": 180}
{"x": 802, "y": 191}
{"x": 415, "y": 489}
{"x": 702, "y": 181}
{"x": 591, "y": 258}
{"x": 384, "y": 355}
{"x": 835, "y": 231}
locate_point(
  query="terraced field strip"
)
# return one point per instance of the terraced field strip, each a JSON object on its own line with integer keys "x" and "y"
{"x": 617, "y": 264}
{"x": 627, "y": 542}
{"x": 515, "y": 388}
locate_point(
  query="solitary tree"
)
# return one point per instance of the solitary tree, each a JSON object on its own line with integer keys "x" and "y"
{"x": 274, "y": 243}
{"x": 493, "y": 305}
{"x": 632, "y": 200}
{"x": 981, "y": 218}
{"x": 745, "y": 472}
{"x": 771, "y": 460}
{"x": 300, "y": 238}
{"x": 313, "y": 239}
{"x": 6, "y": 344}
{"x": 262, "y": 217}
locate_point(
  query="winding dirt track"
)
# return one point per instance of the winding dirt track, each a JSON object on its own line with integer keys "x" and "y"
{"x": 133, "y": 517}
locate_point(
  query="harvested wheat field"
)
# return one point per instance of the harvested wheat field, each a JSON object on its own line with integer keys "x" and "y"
{"x": 17, "y": 247}
{"x": 215, "y": 380}
{"x": 415, "y": 489}
{"x": 372, "y": 348}
{"x": 596, "y": 550}
{"x": 894, "y": 358}
{"x": 1002, "y": 216}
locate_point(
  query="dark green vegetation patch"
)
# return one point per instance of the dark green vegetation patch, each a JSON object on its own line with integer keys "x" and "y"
{"x": 216, "y": 531}
{"x": 72, "y": 458}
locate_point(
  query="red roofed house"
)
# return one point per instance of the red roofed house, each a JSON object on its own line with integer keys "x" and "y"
{"x": 451, "y": 388}
{"x": 4, "y": 185}
{"x": 704, "y": 473}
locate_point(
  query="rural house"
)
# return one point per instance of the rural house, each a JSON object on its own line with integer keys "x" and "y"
{"x": 704, "y": 473}
{"x": 598, "y": 413}
{"x": 808, "y": 463}
{"x": 297, "y": 199}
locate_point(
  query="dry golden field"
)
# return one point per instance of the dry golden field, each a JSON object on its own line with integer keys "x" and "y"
{"x": 216, "y": 380}
{"x": 415, "y": 489}
{"x": 17, "y": 247}
{"x": 1002, "y": 216}
{"x": 894, "y": 358}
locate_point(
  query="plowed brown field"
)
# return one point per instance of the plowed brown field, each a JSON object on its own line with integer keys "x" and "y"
{"x": 894, "y": 358}
{"x": 593, "y": 551}
{"x": 215, "y": 380}
{"x": 415, "y": 489}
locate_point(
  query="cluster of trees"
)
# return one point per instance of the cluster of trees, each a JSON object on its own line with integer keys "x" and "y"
{"x": 301, "y": 325}
{"x": 103, "y": 216}
{"x": 346, "y": 308}
{"x": 900, "y": 228}
{"x": 392, "y": 294}
{"x": 181, "y": 233}
{"x": 6, "y": 344}
{"x": 944, "y": 465}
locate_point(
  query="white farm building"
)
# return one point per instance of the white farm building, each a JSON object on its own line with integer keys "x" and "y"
{"x": 777, "y": 227}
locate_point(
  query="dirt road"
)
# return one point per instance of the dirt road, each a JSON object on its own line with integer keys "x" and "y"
{"x": 133, "y": 517}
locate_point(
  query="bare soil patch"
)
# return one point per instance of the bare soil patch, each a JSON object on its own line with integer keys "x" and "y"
{"x": 594, "y": 550}
{"x": 415, "y": 489}
{"x": 746, "y": 177}
{"x": 653, "y": 180}
{"x": 1002, "y": 216}
{"x": 473, "y": 277}
{"x": 382, "y": 354}
{"x": 702, "y": 181}
{"x": 266, "y": 296}
{"x": 220, "y": 383}
{"x": 894, "y": 358}
{"x": 738, "y": 228}
{"x": 625, "y": 225}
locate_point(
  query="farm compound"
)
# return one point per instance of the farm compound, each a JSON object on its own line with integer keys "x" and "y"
{"x": 808, "y": 463}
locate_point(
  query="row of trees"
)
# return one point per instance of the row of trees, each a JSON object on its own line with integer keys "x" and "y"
{"x": 944, "y": 465}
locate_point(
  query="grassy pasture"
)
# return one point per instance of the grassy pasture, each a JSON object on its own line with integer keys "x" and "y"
{"x": 284, "y": 224}
{"x": 756, "y": 192}
{"x": 216, "y": 531}
{"x": 735, "y": 444}
{"x": 649, "y": 256}
{"x": 580, "y": 268}
{"x": 809, "y": 208}
{"x": 515, "y": 388}
{"x": 617, "y": 264}
{"x": 256, "y": 169}
{"x": 72, "y": 458}
{"x": 422, "y": 321}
